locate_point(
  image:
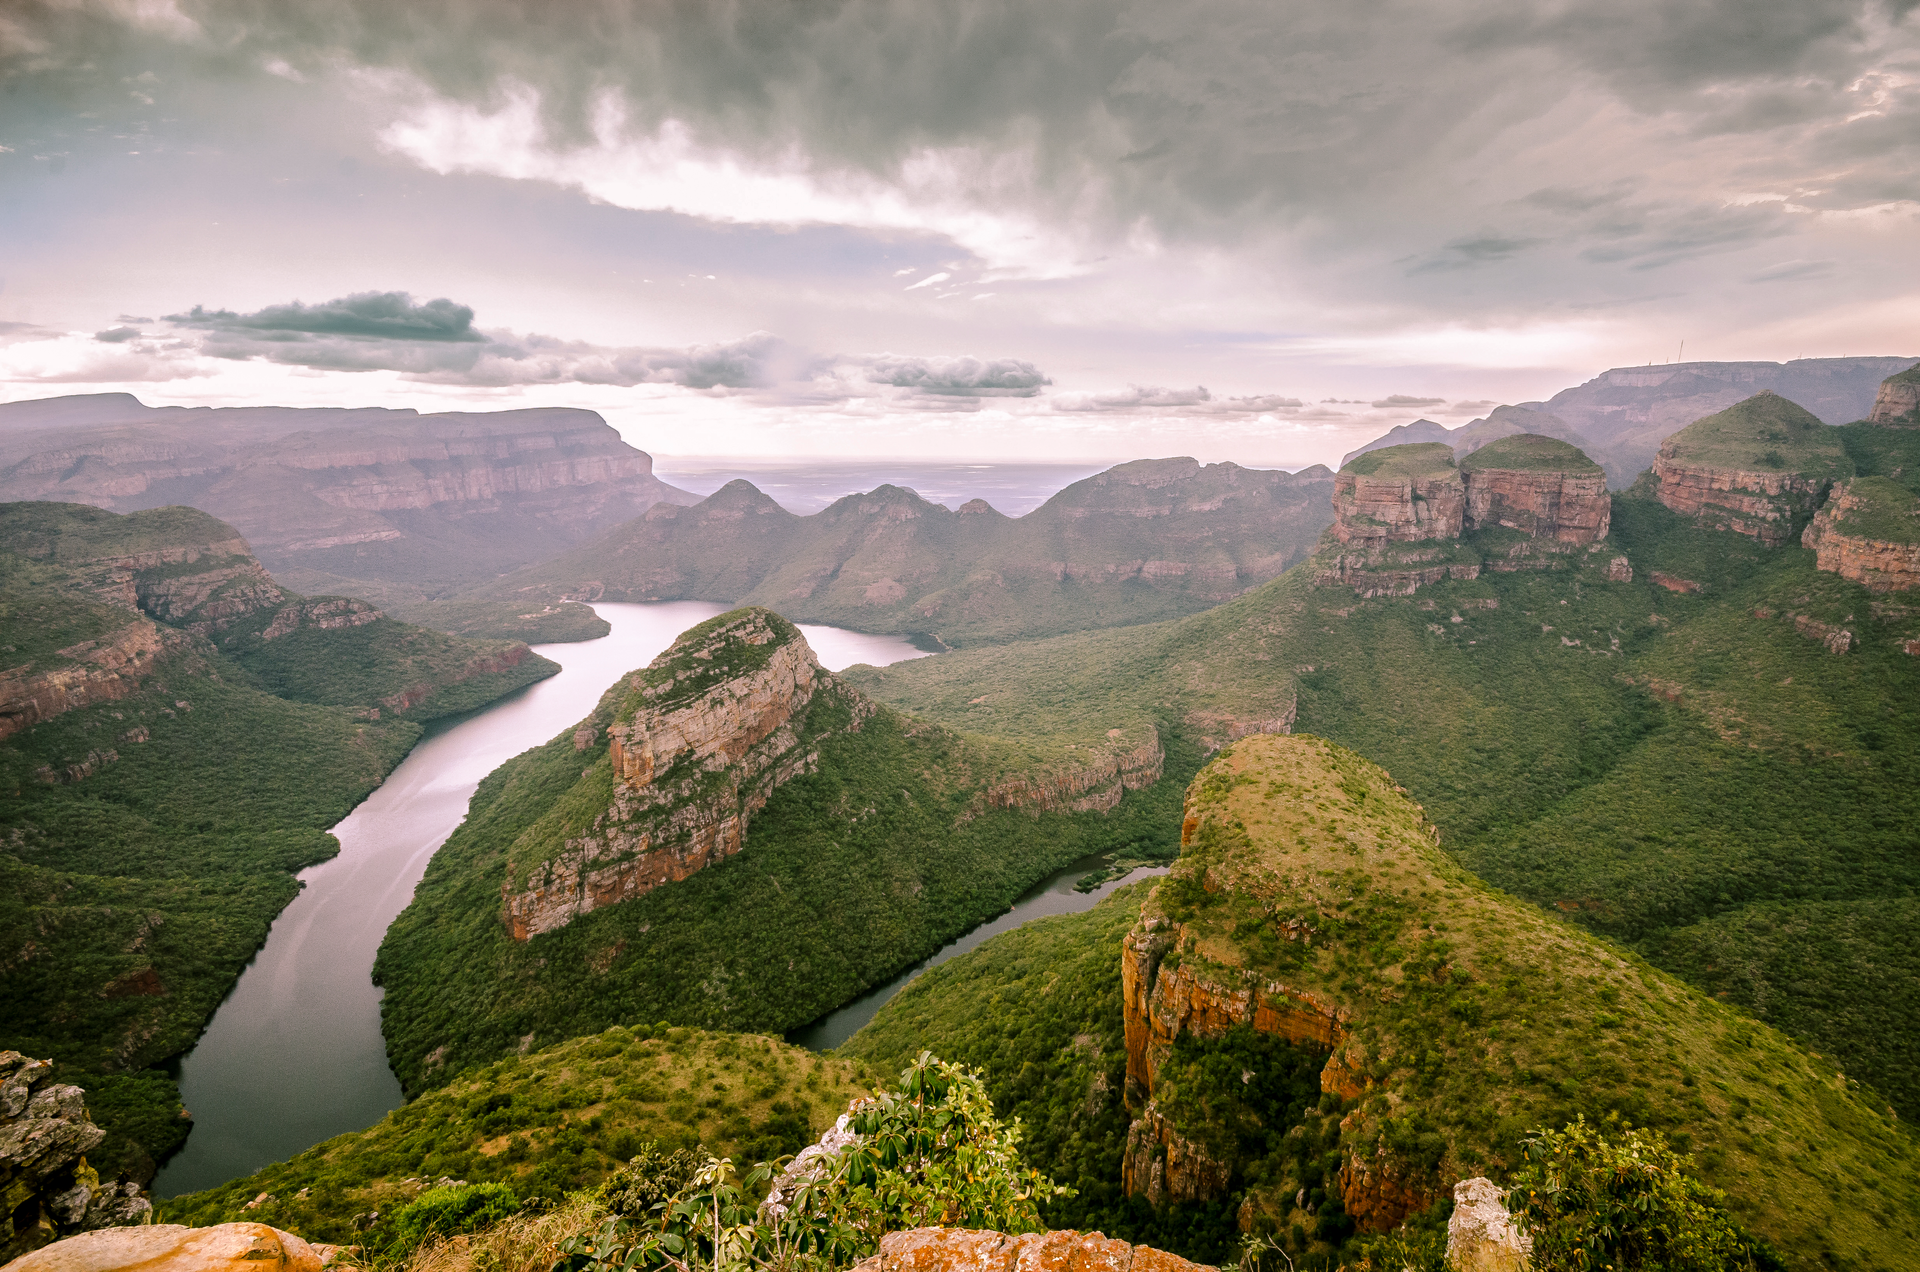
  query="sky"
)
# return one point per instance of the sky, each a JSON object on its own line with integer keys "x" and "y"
{"x": 1075, "y": 229}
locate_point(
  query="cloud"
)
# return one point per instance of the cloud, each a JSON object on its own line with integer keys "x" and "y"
{"x": 373, "y": 315}
{"x": 117, "y": 335}
{"x": 1398, "y": 400}
{"x": 1793, "y": 271}
{"x": 1197, "y": 401}
{"x": 958, "y": 377}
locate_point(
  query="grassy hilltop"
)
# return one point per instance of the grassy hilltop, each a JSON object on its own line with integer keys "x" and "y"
{"x": 151, "y": 834}
{"x": 1470, "y": 1019}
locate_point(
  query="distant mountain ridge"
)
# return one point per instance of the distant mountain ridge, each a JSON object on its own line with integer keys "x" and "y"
{"x": 1621, "y": 416}
{"x": 1143, "y": 541}
{"x": 331, "y": 498}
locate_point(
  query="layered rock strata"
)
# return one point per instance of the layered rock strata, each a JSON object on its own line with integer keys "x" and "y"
{"x": 105, "y": 669}
{"x": 1759, "y": 468}
{"x": 46, "y": 1186}
{"x": 1868, "y": 532}
{"x": 1540, "y": 486}
{"x": 1898, "y": 402}
{"x": 705, "y": 735}
{"x": 1093, "y": 786}
{"x": 1401, "y": 494}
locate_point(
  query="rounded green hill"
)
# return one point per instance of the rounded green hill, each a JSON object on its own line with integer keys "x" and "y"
{"x": 1525, "y": 452}
{"x": 1414, "y": 460}
{"x": 1764, "y": 433}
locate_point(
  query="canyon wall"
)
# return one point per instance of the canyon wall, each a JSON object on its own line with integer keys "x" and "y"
{"x": 1869, "y": 532}
{"x": 705, "y": 735}
{"x": 1898, "y": 401}
{"x": 1759, "y": 468}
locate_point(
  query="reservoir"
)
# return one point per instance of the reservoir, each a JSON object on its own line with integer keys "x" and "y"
{"x": 294, "y": 1055}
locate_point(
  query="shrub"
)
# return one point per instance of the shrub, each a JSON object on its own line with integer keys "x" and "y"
{"x": 446, "y": 1212}
{"x": 1592, "y": 1202}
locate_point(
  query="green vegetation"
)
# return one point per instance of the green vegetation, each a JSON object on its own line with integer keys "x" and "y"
{"x": 1764, "y": 432}
{"x": 1527, "y": 452}
{"x": 1638, "y": 759}
{"x": 1407, "y": 463}
{"x": 1628, "y": 1202}
{"x": 1472, "y": 1019}
{"x": 1879, "y": 451}
{"x": 890, "y": 561}
{"x": 547, "y": 623}
{"x": 452, "y": 1211}
{"x": 1879, "y": 508}
{"x": 558, "y": 1120}
{"x": 149, "y": 838}
{"x": 851, "y": 872}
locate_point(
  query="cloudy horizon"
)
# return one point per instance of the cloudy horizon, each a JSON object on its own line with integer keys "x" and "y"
{"x": 1097, "y": 228}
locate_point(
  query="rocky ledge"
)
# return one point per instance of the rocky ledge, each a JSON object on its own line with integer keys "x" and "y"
{"x": 1869, "y": 532}
{"x": 46, "y": 1185}
{"x": 1898, "y": 402}
{"x": 1540, "y": 486}
{"x": 703, "y": 736}
{"x": 1759, "y": 468}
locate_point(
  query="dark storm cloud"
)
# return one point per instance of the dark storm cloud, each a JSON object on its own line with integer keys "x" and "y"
{"x": 373, "y": 315}
{"x": 117, "y": 335}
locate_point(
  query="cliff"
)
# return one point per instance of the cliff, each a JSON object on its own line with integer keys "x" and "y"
{"x": 1898, "y": 401}
{"x": 387, "y": 495}
{"x": 1759, "y": 468}
{"x": 1140, "y": 542}
{"x": 1313, "y": 925}
{"x": 47, "y": 1190}
{"x": 1869, "y": 532}
{"x": 704, "y": 736}
{"x": 1401, "y": 513}
{"x": 1540, "y": 486}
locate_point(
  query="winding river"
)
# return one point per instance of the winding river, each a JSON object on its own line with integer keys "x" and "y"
{"x": 294, "y": 1056}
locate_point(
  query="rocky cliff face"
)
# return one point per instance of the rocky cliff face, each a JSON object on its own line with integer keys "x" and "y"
{"x": 733, "y": 710}
{"x": 1542, "y": 487}
{"x": 1759, "y": 468}
{"x": 1869, "y": 532}
{"x": 342, "y": 491}
{"x": 1093, "y": 785}
{"x": 105, "y": 669}
{"x": 46, "y": 1187}
{"x": 973, "y": 1250}
{"x": 1898, "y": 401}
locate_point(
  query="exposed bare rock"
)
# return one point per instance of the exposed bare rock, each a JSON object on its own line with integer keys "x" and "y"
{"x": 1163, "y": 1165}
{"x": 1540, "y": 486}
{"x": 705, "y": 735}
{"x": 1759, "y": 468}
{"x": 1869, "y": 532}
{"x": 973, "y": 1250}
{"x": 1898, "y": 402}
{"x": 105, "y": 669}
{"x": 172, "y": 1247}
{"x": 1481, "y": 1235}
{"x": 1400, "y": 494}
{"x": 46, "y": 1185}
{"x": 1093, "y": 785}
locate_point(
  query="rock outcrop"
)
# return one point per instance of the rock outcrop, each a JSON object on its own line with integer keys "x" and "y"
{"x": 732, "y": 710}
{"x": 1759, "y": 468}
{"x": 1869, "y": 532}
{"x": 1542, "y": 487}
{"x": 974, "y": 1250}
{"x": 172, "y": 1247}
{"x": 1093, "y": 785}
{"x": 1481, "y": 1234}
{"x": 46, "y": 1186}
{"x": 1898, "y": 402}
{"x": 1400, "y": 513}
{"x": 105, "y": 669}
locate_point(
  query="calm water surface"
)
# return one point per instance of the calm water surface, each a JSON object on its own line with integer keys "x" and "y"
{"x": 294, "y": 1054}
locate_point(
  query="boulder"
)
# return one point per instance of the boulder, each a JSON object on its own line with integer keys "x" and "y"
{"x": 1481, "y": 1235}
{"x": 172, "y": 1247}
{"x": 46, "y": 1186}
{"x": 974, "y": 1250}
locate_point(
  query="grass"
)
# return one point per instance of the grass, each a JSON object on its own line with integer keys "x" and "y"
{"x": 1881, "y": 509}
{"x": 1409, "y": 462}
{"x": 1528, "y": 452}
{"x": 555, "y": 1121}
{"x": 1765, "y": 432}
{"x": 1473, "y": 1017}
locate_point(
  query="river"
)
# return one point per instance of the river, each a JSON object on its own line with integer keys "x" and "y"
{"x": 294, "y": 1054}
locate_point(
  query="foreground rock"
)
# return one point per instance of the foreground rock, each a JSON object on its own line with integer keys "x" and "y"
{"x": 1869, "y": 532}
{"x": 1898, "y": 402}
{"x": 47, "y": 1187}
{"x": 734, "y": 709}
{"x": 170, "y": 1247}
{"x": 1759, "y": 468}
{"x": 1481, "y": 1234}
{"x": 973, "y": 1250}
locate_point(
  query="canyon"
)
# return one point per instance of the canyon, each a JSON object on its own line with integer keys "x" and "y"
{"x": 1869, "y": 533}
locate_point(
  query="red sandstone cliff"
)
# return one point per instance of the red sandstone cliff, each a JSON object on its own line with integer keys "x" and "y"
{"x": 1898, "y": 402}
{"x": 1843, "y": 541}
